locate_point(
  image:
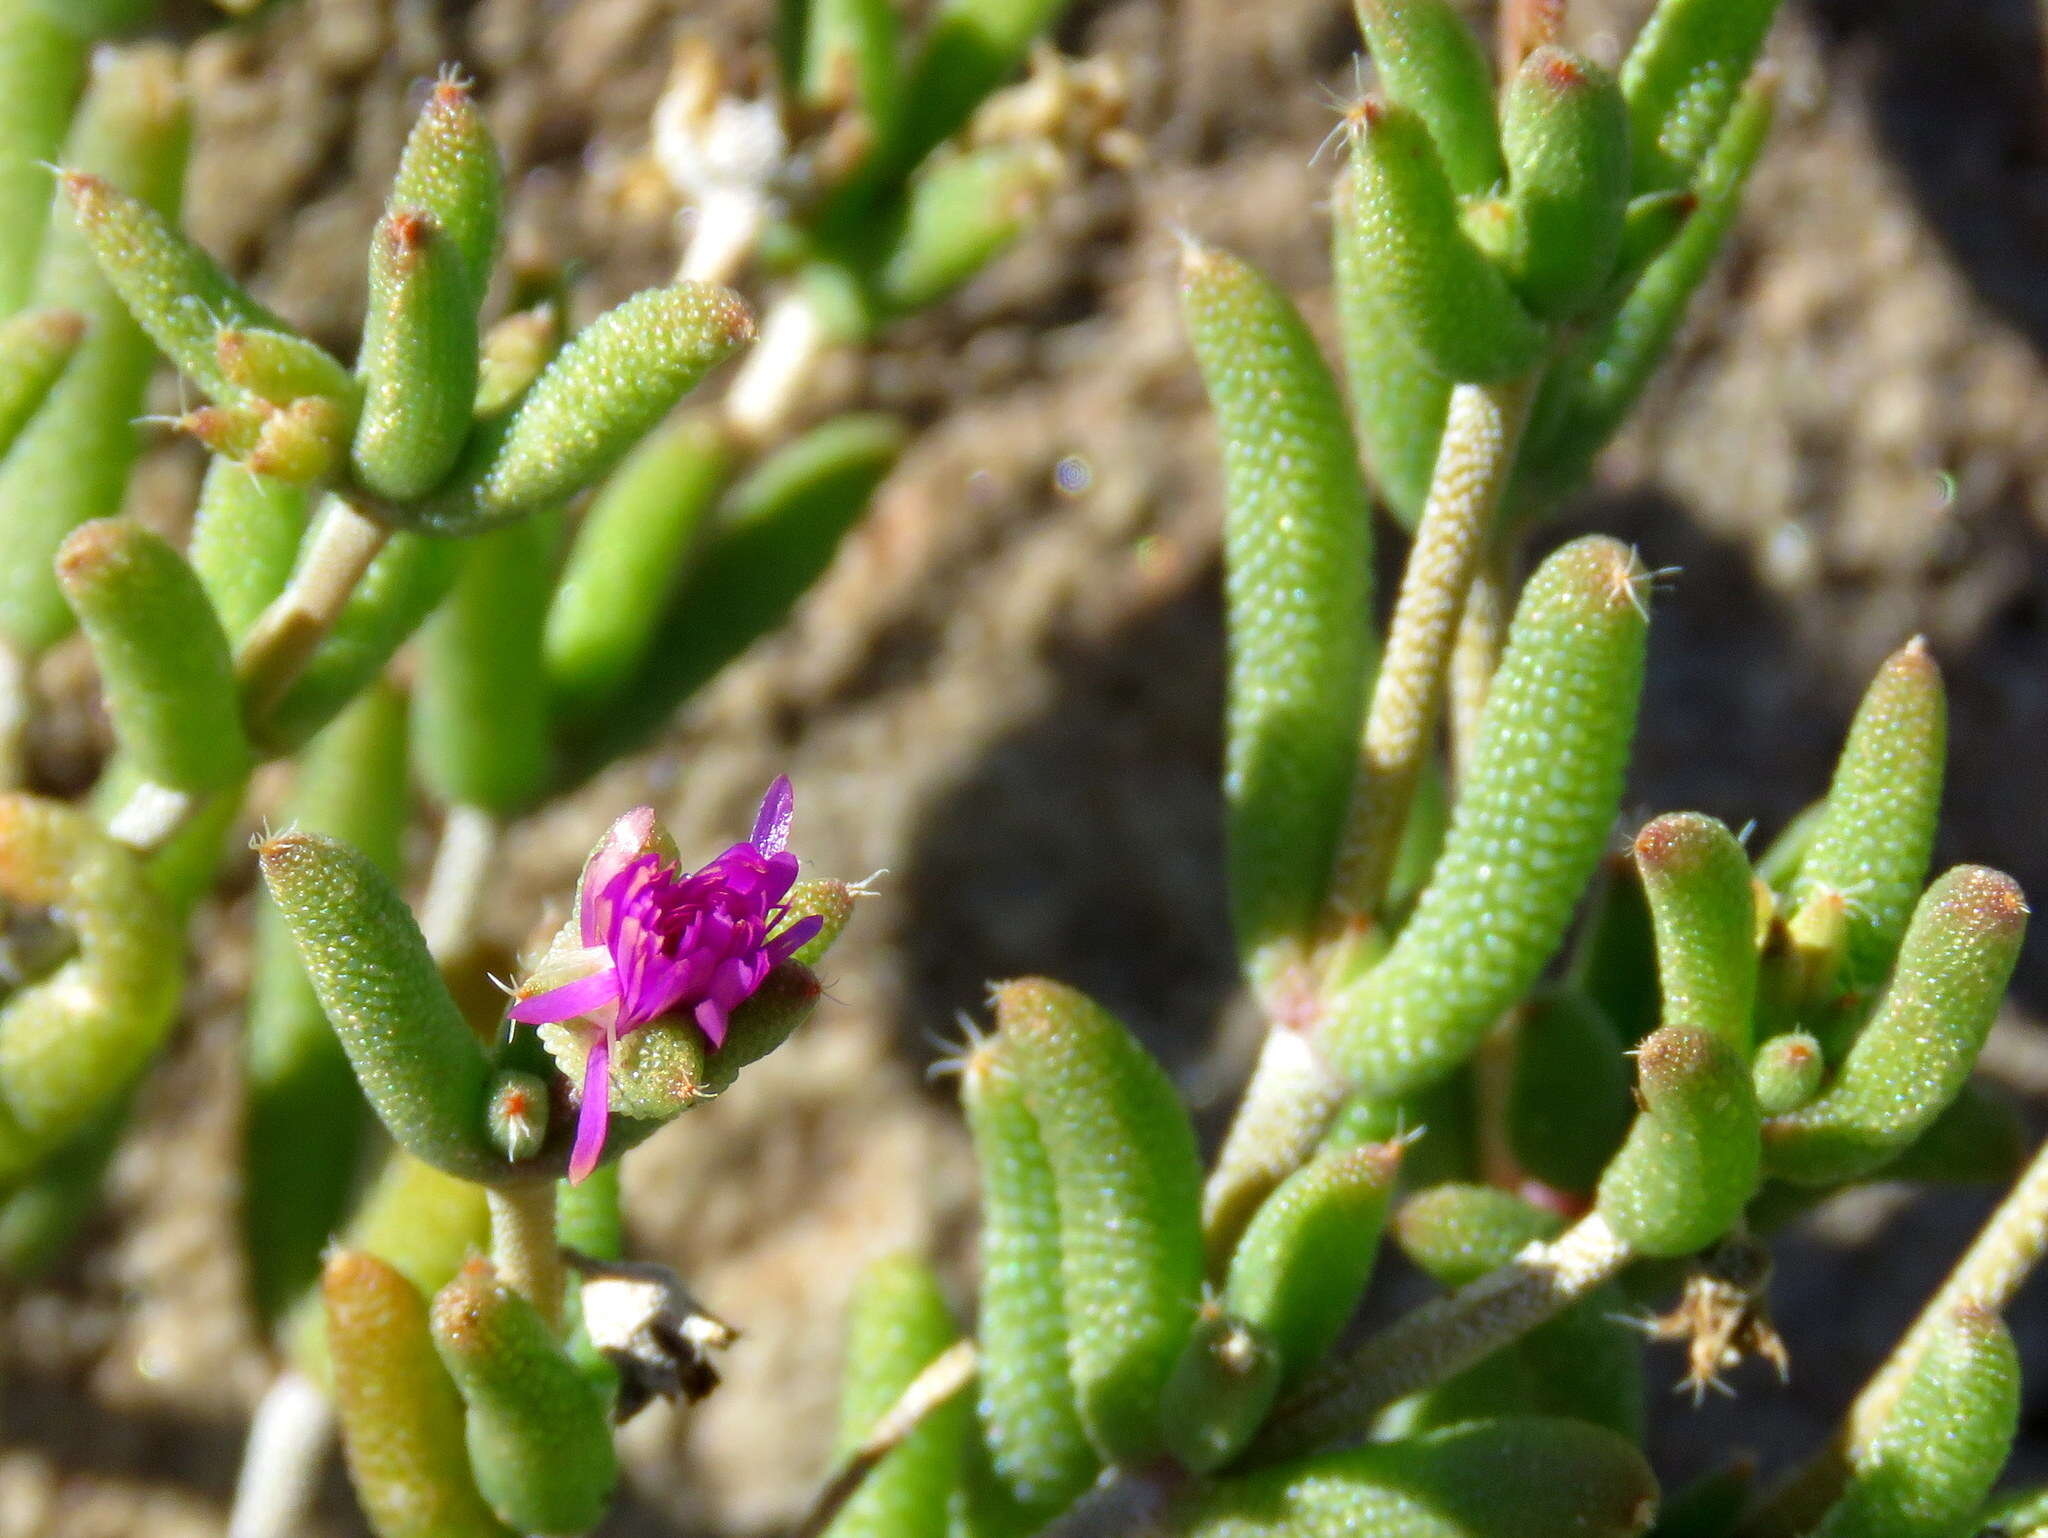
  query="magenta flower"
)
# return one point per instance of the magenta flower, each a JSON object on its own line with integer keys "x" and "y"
{"x": 667, "y": 943}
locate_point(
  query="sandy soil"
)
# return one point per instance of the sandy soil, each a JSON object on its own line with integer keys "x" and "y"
{"x": 1007, "y": 694}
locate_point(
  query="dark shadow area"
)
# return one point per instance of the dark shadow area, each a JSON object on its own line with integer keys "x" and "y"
{"x": 1962, "y": 103}
{"x": 85, "y": 1439}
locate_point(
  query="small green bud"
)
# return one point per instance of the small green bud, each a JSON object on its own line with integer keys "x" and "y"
{"x": 1568, "y": 1099}
{"x": 1129, "y": 1190}
{"x": 517, "y": 1114}
{"x": 1692, "y": 1158}
{"x": 1226, "y": 1380}
{"x": 35, "y": 348}
{"x": 1429, "y": 62}
{"x": 1300, "y": 1270}
{"x": 1457, "y": 1233}
{"x": 539, "y": 1440}
{"x": 830, "y": 899}
{"x": 1443, "y": 297}
{"x": 1877, "y": 836}
{"x": 1298, "y": 563}
{"x": 168, "y": 679}
{"x": 401, "y": 1421}
{"x": 666, "y": 1067}
{"x": 1915, "y": 1054}
{"x": 1038, "y": 1451}
{"x": 1787, "y": 1071}
{"x": 1682, "y": 78}
{"x": 1703, "y": 909}
{"x": 1565, "y": 132}
{"x": 412, "y": 1051}
{"x": 419, "y": 358}
{"x": 450, "y": 171}
{"x": 1514, "y": 1477}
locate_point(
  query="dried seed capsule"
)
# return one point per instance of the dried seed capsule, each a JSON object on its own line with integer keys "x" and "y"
{"x": 1442, "y": 295}
{"x": 1129, "y": 1190}
{"x": 1217, "y": 1397}
{"x": 401, "y": 1420}
{"x": 1302, "y": 1266}
{"x": 303, "y": 1127}
{"x": 1565, "y": 132}
{"x": 1516, "y": 1477}
{"x": 412, "y": 1051}
{"x": 1874, "y": 842}
{"x": 1692, "y": 1159}
{"x": 1682, "y": 78}
{"x": 35, "y": 347}
{"x": 1703, "y": 910}
{"x": 245, "y": 541}
{"x": 1037, "y": 1449}
{"x": 1787, "y": 1073}
{"x": 71, "y": 462}
{"x": 1568, "y": 1099}
{"x": 419, "y": 358}
{"x": 1925, "y": 1467}
{"x": 450, "y": 171}
{"x": 1298, "y": 560}
{"x": 899, "y": 1325}
{"x": 1429, "y": 62}
{"x": 1915, "y": 1054}
{"x": 539, "y": 1438}
{"x": 1525, "y": 835}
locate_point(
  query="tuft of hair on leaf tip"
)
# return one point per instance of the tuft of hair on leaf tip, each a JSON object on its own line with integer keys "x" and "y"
{"x": 957, "y": 1058}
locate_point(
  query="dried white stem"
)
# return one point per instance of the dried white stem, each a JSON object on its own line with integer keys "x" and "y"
{"x": 524, "y": 1245}
{"x": 455, "y": 886}
{"x": 771, "y": 380}
{"x": 1473, "y": 461}
{"x": 1475, "y": 655}
{"x": 342, "y": 545}
{"x": 946, "y": 1375}
{"x": 150, "y": 815}
{"x": 728, "y": 226}
{"x": 1445, "y": 1337}
{"x": 289, "y": 1439}
{"x": 1293, "y": 1096}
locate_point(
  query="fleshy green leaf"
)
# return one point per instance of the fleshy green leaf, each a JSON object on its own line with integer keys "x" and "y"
{"x": 1219, "y": 1392}
{"x": 1429, "y": 62}
{"x": 1565, "y": 132}
{"x": 35, "y": 347}
{"x": 245, "y": 541}
{"x": 1682, "y": 78}
{"x": 419, "y": 358}
{"x": 1692, "y": 1158}
{"x": 1703, "y": 911}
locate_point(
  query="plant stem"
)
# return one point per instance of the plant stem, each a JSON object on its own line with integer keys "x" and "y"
{"x": 524, "y": 1246}
{"x": 946, "y": 1375}
{"x": 1475, "y": 655}
{"x": 772, "y": 378}
{"x": 1293, "y": 1096}
{"x": 1443, "y": 1338}
{"x": 289, "y": 1439}
{"x": 455, "y": 886}
{"x": 343, "y": 544}
{"x": 1473, "y": 462}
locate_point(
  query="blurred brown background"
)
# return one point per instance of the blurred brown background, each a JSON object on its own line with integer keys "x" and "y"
{"x": 1008, "y": 694}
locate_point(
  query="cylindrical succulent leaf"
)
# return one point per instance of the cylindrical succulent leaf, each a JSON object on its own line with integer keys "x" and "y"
{"x": 303, "y": 1124}
{"x": 1787, "y": 1073}
{"x": 75, "y": 1035}
{"x": 419, "y": 358}
{"x": 1703, "y": 911}
{"x": 1037, "y": 1447}
{"x": 959, "y": 215}
{"x": 1441, "y": 294}
{"x": 1298, "y": 562}
{"x": 1568, "y": 1096}
{"x": 1129, "y": 1194}
{"x": 1217, "y": 1397}
{"x": 245, "y": 540}
{"x": 413, "y": 1053}
{"x": 845, "y": 55}
{"x": 1682, "y": 78}
{"x": 970, "y": 48}
{"x": 1457, "y": 1233}
{"x": 1927, "y": 1466}
{"x": 1519, "y": 1477}
{"x": 603, "y": 392}
{"x": 1874, "y": 842}
{"x": 35, "y": 347}
{"x": 1915, "y": 1054}
{"x": 42, "y": 67}
{"x": 450, "y": 171}
{"x": 1429, "y": 62}
{"x": 411, "y": 574}
{"x": 899, "y": 1326}
{"x": 165, "y": 670}
{"x": 480, "y": 717}
{"x": 1692, "y": 1158}
{"x": 401, "y": 1421}
{"x": 628, "y": 558}
{"x": 1525, "y": 835}
{"x": 539, "y": 1438}
{"x": 281, "y": 367}
{"x": 1302, "y": 1267}
{"x": 71, "y": 462}
{"x": 1565, "y": 132}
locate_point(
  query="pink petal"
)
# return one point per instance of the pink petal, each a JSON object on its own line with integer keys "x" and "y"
{"x": 711, "y": 1021}
{"x": 624, "y": 841}
{"x": 793, "y": 939}
{"x": 594, "y": 1112}
{"x": 568, "y": 1001}
{"x": 771, "y": 823}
